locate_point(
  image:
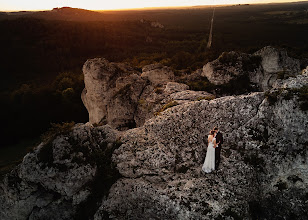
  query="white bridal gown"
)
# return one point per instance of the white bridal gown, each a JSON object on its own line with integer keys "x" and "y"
{"x": 209, "y": 162}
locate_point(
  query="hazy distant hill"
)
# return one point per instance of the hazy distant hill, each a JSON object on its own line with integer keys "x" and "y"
{"x": 65, "y": 13}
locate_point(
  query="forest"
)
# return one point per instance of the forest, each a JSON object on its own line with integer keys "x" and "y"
{"x": 42, "y": 53}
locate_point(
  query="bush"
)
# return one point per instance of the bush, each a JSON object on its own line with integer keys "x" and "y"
{"x": 251, "y": 63}
{"x": 202, "y": 84}
{"x": 57, "y": 129}
{"x": 166, "y": 106}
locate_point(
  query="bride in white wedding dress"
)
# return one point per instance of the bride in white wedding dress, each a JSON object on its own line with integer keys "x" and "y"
{"x": 209, "y": 162}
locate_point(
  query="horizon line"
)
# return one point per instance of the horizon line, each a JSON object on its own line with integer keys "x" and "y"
{"x": 157, "y": 8}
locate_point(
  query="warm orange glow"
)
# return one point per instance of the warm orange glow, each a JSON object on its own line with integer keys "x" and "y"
{"x": 14, "y": 5}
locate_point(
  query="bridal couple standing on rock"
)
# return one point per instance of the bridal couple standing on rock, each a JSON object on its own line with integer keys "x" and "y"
{"x": 212, "y": 159}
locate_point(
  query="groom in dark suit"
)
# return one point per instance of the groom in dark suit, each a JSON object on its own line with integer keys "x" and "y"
{"x": 219, "y": 141}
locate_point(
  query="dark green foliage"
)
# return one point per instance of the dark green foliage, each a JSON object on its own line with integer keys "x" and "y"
{"x": 236, "y": 86}
{"x": 202, "y": 84}
{"x": 56, "y": 130}
{"x": 272, "y": 96}
{"x": 251, "y": 63}
{"x": 228, "y": 58}
{"x": 169, "y": 105}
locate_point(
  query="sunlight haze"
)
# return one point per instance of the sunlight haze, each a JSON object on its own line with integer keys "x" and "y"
{"x": 17, "y": 5}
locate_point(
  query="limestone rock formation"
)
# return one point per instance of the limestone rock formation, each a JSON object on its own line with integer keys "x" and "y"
{"x": 262, "y": 68}
{"x": 263, "y": 168}
{"x": 154, "y": 171}
{"x": 157, "y": 74}
{"x": 60, "y": 177}
{"x": 111, "y": 92}
{"x": 118, "y": 95}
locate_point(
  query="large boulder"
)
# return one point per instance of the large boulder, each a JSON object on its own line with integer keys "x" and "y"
{"x": 157, "y": 74}
{"x": 262, "y": 68}
{"x": 59, "y": 178}
{"x": 111, "y": 92}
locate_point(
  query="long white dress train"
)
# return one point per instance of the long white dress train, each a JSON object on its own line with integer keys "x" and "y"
{"x": 209, "y": 162}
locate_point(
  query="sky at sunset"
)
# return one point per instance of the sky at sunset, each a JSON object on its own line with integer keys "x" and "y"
{"x": 16, "y": 5}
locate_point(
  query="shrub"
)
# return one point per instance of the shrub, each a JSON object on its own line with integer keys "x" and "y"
{"x": 228, "y": 58}
{"x": 57, "y": 129}
{"x": 251, "y": 63}
{"x": 272, "y": 96}
{"x": 166, "y": 106}
{"x": 169, "y": 105}
{"x": 202, "y": 84}
{"x": 158, "y": 90}
{"x": 205, "y": 98}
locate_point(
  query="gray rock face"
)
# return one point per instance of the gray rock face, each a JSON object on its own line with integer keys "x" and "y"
{"x": 55, "y": 180}
{"x": 274, "y": 60}
{"x": 263, "y": 68}
{"x": 157, "y": 74}
{"x": 117, "y": 95}
{"x": 155, "y": 172}
{"x": 264, "y": 162}
{"x": 111, "y": 92}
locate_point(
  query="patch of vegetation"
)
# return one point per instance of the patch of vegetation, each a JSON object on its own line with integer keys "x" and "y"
{"x": 45, "y": 153}
{"x": 283, "y": 74}
{"x": 166, "y": 106}
{"x": 56, "y": 130}
{"x": 205, "y": 98}
{"x": 201, "y": 85}
{"x": 236, "y": 86}
{"x": 272, "y": 96}
{"x": 158, "y": 90}
{"x": 228, "y": 58}
{"x": 251, "y": 63}
{"x": 281, "y": 185}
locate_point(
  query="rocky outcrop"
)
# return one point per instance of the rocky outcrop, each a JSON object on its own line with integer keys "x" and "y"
{"x": 118, "y": 95}
{"x": 262, "y": 68}
{"x": 264, "y": 162}
{"x": 111, "y": 92}
{"x": 154, "y": 171}
{"x": 61, "y": 176}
